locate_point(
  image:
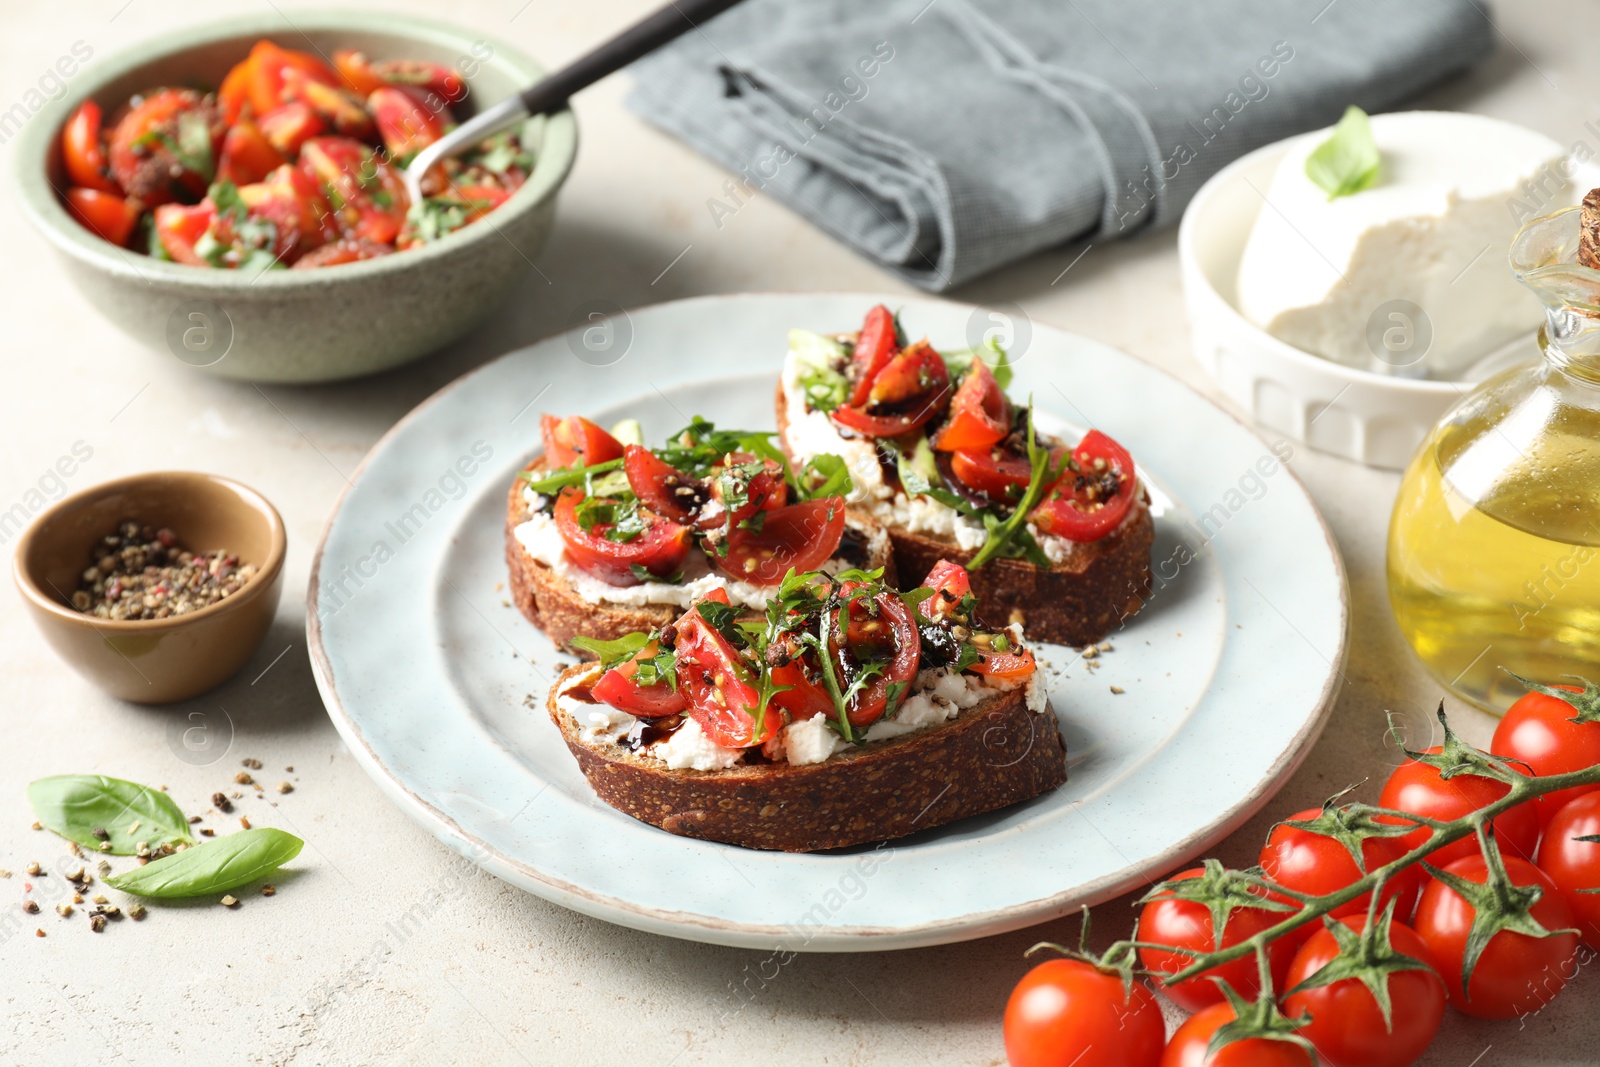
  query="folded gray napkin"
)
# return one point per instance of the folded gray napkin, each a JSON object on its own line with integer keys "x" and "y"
{"x": 946, "y": 138}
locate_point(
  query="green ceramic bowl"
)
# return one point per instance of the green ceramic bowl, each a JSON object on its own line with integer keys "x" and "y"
{"x": 312, "y": 325}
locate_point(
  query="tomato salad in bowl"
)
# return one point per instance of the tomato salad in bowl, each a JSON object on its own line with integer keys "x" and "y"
{"x": 954, "y": 467}
{"x": 294, "y": 161}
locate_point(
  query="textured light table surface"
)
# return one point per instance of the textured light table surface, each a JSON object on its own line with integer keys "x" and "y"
{"x": 384, "y": 947}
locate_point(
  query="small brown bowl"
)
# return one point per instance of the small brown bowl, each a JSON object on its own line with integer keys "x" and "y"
{"x": 160, "y": 660}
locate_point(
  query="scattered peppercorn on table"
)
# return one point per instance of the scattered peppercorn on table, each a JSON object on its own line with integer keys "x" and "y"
{"x": 377, "y": 944}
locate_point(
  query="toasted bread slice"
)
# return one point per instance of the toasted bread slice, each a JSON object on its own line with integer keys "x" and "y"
{"x": 552, "y": 603}
{"x": 994, "y": 754}
{"x": 1075, "y": 602}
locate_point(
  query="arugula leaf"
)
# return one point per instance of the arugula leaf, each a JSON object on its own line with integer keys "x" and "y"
{"x": 824, "y": 475}
{"x": 550, "y": 484}
{"x": 1044, "y": 474}
{"x": 1347, "y": 162}
{"x": 212, "y": 867}
{"x": 126, "y": 813}
{"x": 614, "y": 652}
{"x": 915, "y": 479}
{"x": 722, "y": 618}
{"x": 641, "y": 572}
{"x": 993, "y": 353}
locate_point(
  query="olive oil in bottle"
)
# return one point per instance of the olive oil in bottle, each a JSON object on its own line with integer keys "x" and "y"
{"x": 1505, "y": 575}
{"x": 1494, "y": 546}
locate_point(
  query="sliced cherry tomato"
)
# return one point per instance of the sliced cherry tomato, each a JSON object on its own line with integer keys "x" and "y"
{"x": 1516, "y": 974}
{"x": 233, "y": 97}
{"x": 806, "y": 697}
{"x": 177, "y": 228}
{"x": 436, "y": 78}
{"x": 1416, "y": 788}
{"x": 1573, "y": 864}
{"x": 1091, "y": 501}
{"x": 1189, "y": 1045}
{"x": 1170, "y": 920}
{"x": 949, "y": 582}
{"x": 908, "y": 391}
{"x": 1004, "y": 666}
{"x": 979, "y": 413}
{"x": 344, "y": 250}
{"x": 343, "y": 112}
{"x": 799, "y": 537}
{"x": 268, "y": 64}
{"x": 294, "y": 204}
{"x": 163, "y": 149}
{"x": 1347, "y": 1025}
{"x": 869, "y": 425}
{"x": 917, "y": 374}
{"x": 83, "y": 151}
{"x": 719, "y": 685}
{"x": 1067, "y": 1013}
{"x": 368, "y": 197}
{"x": 356, "y": 70}
{"x": 107, "y": 214}
{"x": 659, "y": 549}
{"x": 996, "y": 474}
{"x": 1538, "y": 730}
{"x": 289, "y": 127}
{"x": 247, "y": 155}
{"x": 576, "y": 442}
{"x": 406, "y": 123}
{"x": 1316, "y": 865}
{"x": 762, "y": 490}
{"x": 875, "y": 345}
{"x": 661, "y": 487}
{"x": 619, "y": 688}
{"x": 880, "y": 628}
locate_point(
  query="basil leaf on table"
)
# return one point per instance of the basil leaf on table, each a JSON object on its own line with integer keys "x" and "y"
{"x": 76, "y": 805}
{"x": 220, "y": 864}
{"x": 1348, "y": 161}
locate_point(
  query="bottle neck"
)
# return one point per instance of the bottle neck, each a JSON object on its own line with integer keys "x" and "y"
{"x": 1570, "y": 341}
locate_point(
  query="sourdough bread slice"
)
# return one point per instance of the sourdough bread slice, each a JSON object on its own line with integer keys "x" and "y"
{"x": 1074, "y": 602}
{"x": 555, "y": 605}
{"x": 993, "y": 755}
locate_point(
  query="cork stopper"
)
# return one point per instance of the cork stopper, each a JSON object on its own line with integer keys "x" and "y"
{"x": 1589, "y": 231}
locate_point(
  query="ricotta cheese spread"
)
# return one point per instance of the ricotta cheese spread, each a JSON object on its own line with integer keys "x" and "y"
{"x": 1433, "y": 232}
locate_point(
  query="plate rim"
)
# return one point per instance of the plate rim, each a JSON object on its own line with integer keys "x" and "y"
{"x": 841, "y": 937}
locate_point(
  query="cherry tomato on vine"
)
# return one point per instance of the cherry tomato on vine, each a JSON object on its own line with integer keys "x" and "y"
{"x": 1188, "y": 1046}
{"x": 1516, "y": 974}
{"x": 1538, "y": 730}
{"x": 1574, "y": 864}
{"x": 1068, "y": 1013}
{"x": 1347, "y": 1025}
{"x": 1168, "y": 920}
{"x": 1417, "y": 788}
{"x": 1317, "y": 865}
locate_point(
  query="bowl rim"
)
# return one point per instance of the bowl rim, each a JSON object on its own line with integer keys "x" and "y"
{"x": 1189, "y": 264}
{"x": 266, "y": 575}
{"x": 41, "y": 200}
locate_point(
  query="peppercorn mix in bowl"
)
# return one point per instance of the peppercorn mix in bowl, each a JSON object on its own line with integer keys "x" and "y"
{"x": 350, "y": 317}
{"x": 156, "y": 587}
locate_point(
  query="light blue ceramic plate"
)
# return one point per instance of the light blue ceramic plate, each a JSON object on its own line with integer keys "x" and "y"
{"x": 438, "y": 685}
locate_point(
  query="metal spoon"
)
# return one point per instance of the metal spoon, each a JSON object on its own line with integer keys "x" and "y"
{"x": 551, "y": 94}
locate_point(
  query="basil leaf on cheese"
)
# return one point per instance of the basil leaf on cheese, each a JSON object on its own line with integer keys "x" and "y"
{"x": 1347, "y": 162}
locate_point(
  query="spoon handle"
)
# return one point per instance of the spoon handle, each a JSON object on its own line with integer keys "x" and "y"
{"x": 640, "y": 39}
